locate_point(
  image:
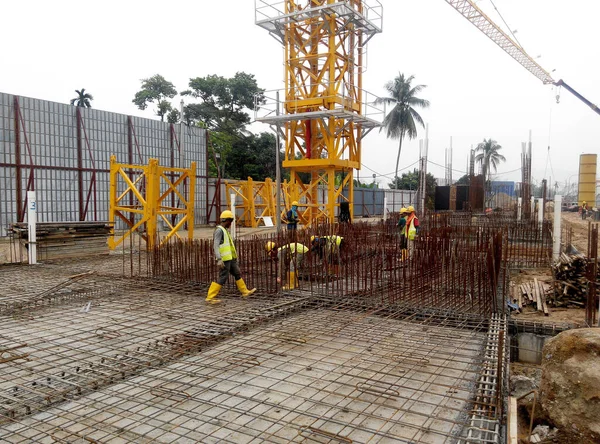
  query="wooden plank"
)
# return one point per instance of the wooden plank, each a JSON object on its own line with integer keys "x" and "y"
{"x": 513, "y": 435}
{"x": 543, "y": 299}
{"x": 538, "y": 298}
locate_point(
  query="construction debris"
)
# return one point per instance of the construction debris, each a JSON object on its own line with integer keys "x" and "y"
{"x": 570, "y": 281}
{"x": 66, "y": 239}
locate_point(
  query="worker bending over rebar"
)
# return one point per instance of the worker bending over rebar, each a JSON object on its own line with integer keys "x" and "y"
{"x": 226, "y": 258}
{"x": 329, "y": 250}
{"x": 291, "y": 254}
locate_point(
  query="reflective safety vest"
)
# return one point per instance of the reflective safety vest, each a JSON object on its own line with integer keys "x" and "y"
{"x": 411, "y": 230}
{"x": 334, "y": 239}
{"x": 295, "y": 247}
{"x": 227, "y": 249}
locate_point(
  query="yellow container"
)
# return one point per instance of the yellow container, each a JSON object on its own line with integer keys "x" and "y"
{"x": 587, "y": 178}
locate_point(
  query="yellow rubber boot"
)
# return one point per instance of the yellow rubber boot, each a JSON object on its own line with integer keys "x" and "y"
{"x": 213, "y": 291}
{"x": 241, "y": 285}
{"x": 291, "y": 281}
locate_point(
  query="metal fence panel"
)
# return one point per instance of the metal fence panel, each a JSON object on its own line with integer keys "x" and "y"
{"x": 68, "y": 150}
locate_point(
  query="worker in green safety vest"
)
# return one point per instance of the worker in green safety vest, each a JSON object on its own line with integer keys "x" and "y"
{"x": 329, "y": 249}
{"x": 411, "y": 230}
{"x": 291, "y": 254}
{"x": 226, "y": 259}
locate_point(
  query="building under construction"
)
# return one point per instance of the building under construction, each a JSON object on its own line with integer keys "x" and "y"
{"x": 372, "y": 343}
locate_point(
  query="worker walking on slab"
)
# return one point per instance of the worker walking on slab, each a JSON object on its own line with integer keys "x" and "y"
{"x": 292, "y": 216}
{"x": 226, "y": 257}
{"x": 411, "y": 229}
{"x": 291, "y": 255}
{"x": 329, "y": 249}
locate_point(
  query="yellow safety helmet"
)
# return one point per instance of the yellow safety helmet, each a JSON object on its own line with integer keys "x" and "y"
{"x": 295, "y": 203}
{"x": 411, "y": 209}
{"x": 403, "y": 210}
{"x": 269, "y": 246}
{"x": 227, "y": 215}
{"x": 313, "y": 238}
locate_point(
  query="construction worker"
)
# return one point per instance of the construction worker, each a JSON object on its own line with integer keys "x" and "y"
{"x": 411, "y": 229}
{"x": 226, "y": 257}
{"x": 329, "y": 250}
{"x": 292, "y": 216}
{"x": 402, "y": 227}
{"x": 583, "y": 209}
{"x": 292, "y": 254}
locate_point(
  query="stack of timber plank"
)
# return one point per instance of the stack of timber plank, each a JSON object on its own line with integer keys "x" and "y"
{"x": 570, "y": 280}
{"x": 535, "y": 293}
{"x": 66, "y": 239}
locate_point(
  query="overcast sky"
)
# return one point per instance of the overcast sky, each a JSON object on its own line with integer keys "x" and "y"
{"x": 51, "y": 48}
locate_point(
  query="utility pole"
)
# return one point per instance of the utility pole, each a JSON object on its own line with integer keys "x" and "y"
{"x": 277, "y": 172}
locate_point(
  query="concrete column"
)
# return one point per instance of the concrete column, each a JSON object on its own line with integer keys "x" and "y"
{"x": 31, "y": 227}
{"x": 557, "y": 230}
{"x": 232, "y": 230}
{"x": 540, "y": 211}
{"x": 385, "y": 207}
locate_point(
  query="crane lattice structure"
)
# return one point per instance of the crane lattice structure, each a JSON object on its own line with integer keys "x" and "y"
{"x": 472, "y": 13}
{"x": 324, "y": 112}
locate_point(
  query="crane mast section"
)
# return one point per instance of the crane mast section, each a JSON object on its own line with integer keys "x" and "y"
{"x": 325, "y": 111}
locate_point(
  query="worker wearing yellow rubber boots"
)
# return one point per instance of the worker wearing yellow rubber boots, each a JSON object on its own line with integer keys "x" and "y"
{"x": 291, "y": 254}
{"x": 226, "y": 257}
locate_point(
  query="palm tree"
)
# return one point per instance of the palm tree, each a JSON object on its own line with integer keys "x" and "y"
{"x": 83, "y": 99}
{"x": 488, "y": 156}
{"x": 400, "y": 121}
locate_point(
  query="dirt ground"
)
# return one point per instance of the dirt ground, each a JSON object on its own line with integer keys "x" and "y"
{"x": 580, "y": 230}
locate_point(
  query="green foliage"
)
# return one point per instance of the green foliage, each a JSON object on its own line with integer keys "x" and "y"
{"x": 223, "y": 101}
{"x": 240, "y": 158}
{"x": 173, "y": 116}
{"x": 410, "y": 181}
{"x": 155, "y": 89}
{"x": 359, "y": 184}
{"x": 401, "y": 120}
{"x": 464, "y": 180}
{"x": 488, "y": 156}
{"x": 83, "y": 99}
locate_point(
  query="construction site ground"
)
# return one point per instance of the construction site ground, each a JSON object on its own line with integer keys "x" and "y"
{"x": 92, "y": 356}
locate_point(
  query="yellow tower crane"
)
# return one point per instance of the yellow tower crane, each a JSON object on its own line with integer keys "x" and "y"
{"x": 323, "y": 112}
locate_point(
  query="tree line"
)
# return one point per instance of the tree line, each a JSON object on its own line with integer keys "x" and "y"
{"x": 220, "y": 105}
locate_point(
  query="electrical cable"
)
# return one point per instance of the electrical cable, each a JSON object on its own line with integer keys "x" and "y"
{"x": 506, "y": 24}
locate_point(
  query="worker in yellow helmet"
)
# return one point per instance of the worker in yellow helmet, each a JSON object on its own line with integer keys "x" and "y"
{"x": 402, "y": 226}
{"x": 226, "y": 258}
{"x": 291, "y": 255}
{"x": 411, "y": 230}
{"x": 329, "y": 249}
{"x": 292, "y": 216}
{"x": 584, "y": 208}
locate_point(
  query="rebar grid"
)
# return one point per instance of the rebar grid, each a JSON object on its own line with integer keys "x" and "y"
{"x": 57, "y": 351}
{"x": 333, "y": 375}
{"x": 489, "y": 407}
{"x": 460, "y": 274}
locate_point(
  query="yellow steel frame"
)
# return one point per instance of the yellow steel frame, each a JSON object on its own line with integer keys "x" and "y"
{"x": 256, "y": 200}
{"x": 323, "y": 70}
{"x": 147, "y": 188}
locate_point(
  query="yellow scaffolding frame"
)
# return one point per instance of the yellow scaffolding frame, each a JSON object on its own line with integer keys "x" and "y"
{"x": 147, "y": 187}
